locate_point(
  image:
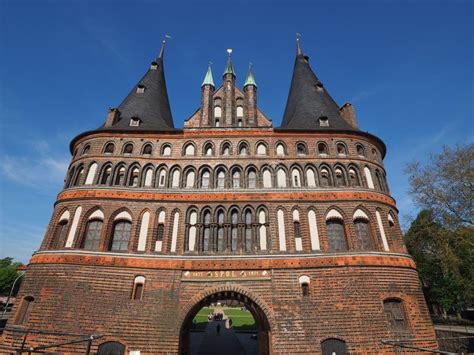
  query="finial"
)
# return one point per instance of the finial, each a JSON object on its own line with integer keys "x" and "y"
{"x": 229, "y": 51}
{"x": 162, "y": 50}
{"x": 298, "y": 48}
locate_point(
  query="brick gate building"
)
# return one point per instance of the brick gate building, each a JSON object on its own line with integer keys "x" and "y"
{"x": 154, "y": 222}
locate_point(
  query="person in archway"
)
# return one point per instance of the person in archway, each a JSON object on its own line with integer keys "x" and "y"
{"x": 218, "y": 329}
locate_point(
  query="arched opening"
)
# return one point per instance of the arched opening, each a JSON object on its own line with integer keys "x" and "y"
{"x": 199, "y": 332}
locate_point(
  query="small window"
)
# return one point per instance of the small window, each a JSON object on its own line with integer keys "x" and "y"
{"x": 221, "y": 179}
{"x": 140, "y": 89}
{"x": 217, "y": 122}
{"x": 189, "y": 150}
{"x": 301, "y": 149}
{"x": 252, "y": 179}
{"x": 166, "y": 150}
{"x": 304, "y": 283}
{"x": 128, "y": 148}
{"x": 333, "y": 347}
{"x": 209, "y": 149}
{"x": 24, "y": 310}
{"x": 323, "y": 121}
{"x": 147, "y": 148}
{"x": 226, "y": 149}
{"x": 395, "y": 316}
{"x": 341, "y": 149}
{"x": 86, "y": 149}
{"x": 261, "y": 149}
{"x": 236, "y": 179}
{"x": 280, "y": 149}
{"x": 205, "y": 179}
{"x": 322, "y": 149}
{"x": 138, "y": 286}
{"x": 217, "y": 112}
{"x": 239, "y": 123}
{"x": 109, "y": 148}
{"x": 134, "y": 122}
{"x": 360, "y": 150}
{"x": 243, "y": 149}
{"x": 240, "y": 111}
{"x": 121, "y": 236}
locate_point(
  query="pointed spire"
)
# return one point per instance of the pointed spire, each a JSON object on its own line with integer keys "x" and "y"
{"x": 229, "y": 68}
{"x": 163, "y": 43}
{"x": 250, "y": 80}
{"x": 309, "y": 105}
{"x": 208, "y": 79}
{"x": 298, "y": 48}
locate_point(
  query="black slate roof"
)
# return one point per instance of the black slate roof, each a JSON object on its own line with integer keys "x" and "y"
{"x": 152, "y": 106}
{"x": 308, "y": 100}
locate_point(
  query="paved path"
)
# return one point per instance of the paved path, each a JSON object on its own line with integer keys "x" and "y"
{"x": 225, "y": 343}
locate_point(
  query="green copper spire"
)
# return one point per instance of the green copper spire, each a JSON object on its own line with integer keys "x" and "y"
{"x": 208, "y": 80}
{"x": 250, "y": 79}
{"x": 229, "y": 68}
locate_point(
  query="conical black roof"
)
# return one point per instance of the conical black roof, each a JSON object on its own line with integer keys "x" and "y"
{"x": 148, "y": 102}
{"x": 308, "y": 101}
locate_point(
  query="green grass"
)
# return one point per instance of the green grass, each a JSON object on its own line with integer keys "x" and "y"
{"x": 241, "y": 320}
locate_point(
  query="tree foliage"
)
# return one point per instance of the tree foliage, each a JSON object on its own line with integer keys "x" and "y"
{"x": 8, "y": 274}
{"x": 445, "y": 186}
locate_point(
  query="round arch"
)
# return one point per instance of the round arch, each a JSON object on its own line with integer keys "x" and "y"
{"x": 257, "y": 307}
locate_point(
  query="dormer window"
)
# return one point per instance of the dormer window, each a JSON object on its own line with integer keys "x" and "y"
{"x": 140, "y": 89}
{"x": 134, "y": 122}
{"x": 323, "y": 121}
{"x": 154, "y": 66}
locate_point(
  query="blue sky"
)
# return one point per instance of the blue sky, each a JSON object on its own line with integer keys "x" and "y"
{"x": 407, "y": 66}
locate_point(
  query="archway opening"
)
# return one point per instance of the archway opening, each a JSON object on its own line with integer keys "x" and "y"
{"x": 225, "y": 322}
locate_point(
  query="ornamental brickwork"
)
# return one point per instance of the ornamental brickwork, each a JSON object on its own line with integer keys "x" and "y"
{"x": 295, "y": 222}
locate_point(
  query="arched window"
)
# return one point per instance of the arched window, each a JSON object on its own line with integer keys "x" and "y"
{"x": 138, "y": 287}
{"x": 217, "y": 122}
{"x": 60, "y": 235}
{"x": 109, "y": 148}
{"x": 221, "y": 179}
{"x": 296, "y": 177}
{"x": 325, "y": 178}
{"x": 261, "y": 149}
{"x": 208, "y": 149}
{"x": 362, "y": 232}
{"x": 240, "y": 111}
{"x": 162, "y": 177}
{"x": 105, "y": 176}
{"x": 368, "y": 177}
{"x": 323, "y": 149}
{"x": 24, "y": 310}
{"x": 304, "y": 283}
{"x": 166, "y": 150}
{"x": 121, "y": 236}
{"x": 92, "y": 235}
{"x": 191, "y": 230}
{"x": 281, "y": 177}
{"x": 133, "y": 180}
{"x": 313, "y": 230}
{"x": 79, "y": 176}
{"x": 280, "y": 149}
{"x": 206, "y": 235}
{"x": 354, "y": 177}
{"x": 310, "y": 178}
{"x": 119, "y": 176}
{"x": 297, "y": 231}
{"x": 147, "y": 149}
{"x": 111, "y": 348}
{"x": 379, "y": 180}
{"x": 333, "y": 347}
{"x": 128, "y": 148}
{"x": 301, "y": 149}
{"x": 396, "y": 318}
{"x": 226, "y": 149}
{"x": 341, "y": 149}
{"x": 220, "y": 231}
{"x": 175, "y": 179}
{"x": 248, "y": 231}
{"x": 190, "y": 177}
{"x": 217, "y": 113}
{"x": 336, "y": 235}
{"x": 236, "y": 179}
{"x": 262, "y": 229}
{"x": 340, "y": 180}
{"x": 252, "y": 179}
{"x": 267, "y": 178}
{"x": 205, "y": 179}
{"x": 160, "y": 231}
{"x": 360, "y": 150}
{"x": 234, "y": 231}
{"x": 86, "y": 149}
{"x": 148, "y": 177}
{"x": 189, "y": 150}
{"x": 243, "y": 149}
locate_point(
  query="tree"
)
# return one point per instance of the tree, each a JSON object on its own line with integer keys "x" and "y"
{"x": 445, "y": 185}
{"x": 8, "y": 274}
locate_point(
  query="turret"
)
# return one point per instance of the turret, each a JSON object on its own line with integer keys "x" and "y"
{"x": 250, "y": 92}
{"x": 207, "y": 90}
{"x": 229, "y": 91}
